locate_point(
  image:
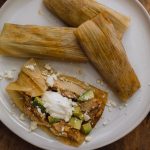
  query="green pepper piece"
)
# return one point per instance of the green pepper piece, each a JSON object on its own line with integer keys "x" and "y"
{"x": 86, "y": 96}
{"x": 77, "y": 113}
{"x": 86, "y": 128}
{"x": 81, "y": 116}
{"x": 75, "y": 123}
{"x": 52, "y": 120}
{"x": 37, "y": 102}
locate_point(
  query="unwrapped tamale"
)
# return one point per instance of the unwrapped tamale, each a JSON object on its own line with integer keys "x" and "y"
{"x": 41, "y": 42}
{"x": 75, "y": 12}
{"x": 62, "y": 106}
{"x": 99, "y": 41}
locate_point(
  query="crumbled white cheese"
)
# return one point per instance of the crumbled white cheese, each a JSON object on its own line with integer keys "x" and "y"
{"x": 22, "y": 117}
{"x": 54, "y": 76}
{"x": 48, "y": 67}
{"x": 74, "y": 104}
{"x": 57, "y": 105}
{"x": 100, "y": 82}
{"x": 120, "y": 107}
{"x": 109, "y": 109}
{"x": 105, "y": 123}
{"x": 8, "y": 75}
{"x": 111, "y": 104}
{"x": 51, "y": 80}
{"x": 30, "y": 67}
{"x": 86, "y": 117}
{"x": 108, "y": 104}
{"x": 62, "y": 129}
{"x": 125, "y": 105}
{"x": 88, "y": 139}
{"x": 39, "y": 110}
{"x": 33, "y": 125}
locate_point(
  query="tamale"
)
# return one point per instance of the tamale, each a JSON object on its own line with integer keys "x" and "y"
{"x": 100, "y": 43}
{"x": 23, "y": 95}
{"x": 40, "y": 42}
{"x": 75, "y": 12}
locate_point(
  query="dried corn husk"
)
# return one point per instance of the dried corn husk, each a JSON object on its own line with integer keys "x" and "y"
{"x": 41, "y": 42}
{"x": 107, "y": 54}
{"x": 29, "y": 81}
{"x": 75, "y": 12}
{"x": 26, "y": 85}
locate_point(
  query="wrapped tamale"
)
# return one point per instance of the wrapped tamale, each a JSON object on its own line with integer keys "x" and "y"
{"x": 75, "y": 12}
{"x": 41, "y": 42}
{"x": 100, "y": 43}
{"x": 62, "y": 106}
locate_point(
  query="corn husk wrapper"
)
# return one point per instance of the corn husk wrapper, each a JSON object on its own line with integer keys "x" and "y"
{"x": 40, "y": 42}
{"x": 100, "y": 43}
{"x": 29, "y": 81}
{"x": 33, "y": 83}
{"x": 75, "y": 12}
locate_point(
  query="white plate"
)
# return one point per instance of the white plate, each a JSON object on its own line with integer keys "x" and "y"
{"x": 121, "y": 120}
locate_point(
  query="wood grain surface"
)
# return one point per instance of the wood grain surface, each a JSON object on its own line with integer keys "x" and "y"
{"x": 139, "y": 139}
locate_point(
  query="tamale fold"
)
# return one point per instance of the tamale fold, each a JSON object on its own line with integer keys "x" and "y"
{"x": 30, "y": 82}
{"x": 40, "y": 42}
{"x": 100, "y": 43}
{"x": 75, "y": 12}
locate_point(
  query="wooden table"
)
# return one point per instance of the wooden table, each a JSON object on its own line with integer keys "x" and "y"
{"x": 139, "y": 139}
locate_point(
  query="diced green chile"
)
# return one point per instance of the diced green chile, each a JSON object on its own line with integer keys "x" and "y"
{"x": 52, "y": 120}
{"x": 77, "y": 113}
{"x": 75, "y": 123}
{"x": 86, "y": 128}
{"x": 86, "y": 96}
{"x": 37, "y": 102}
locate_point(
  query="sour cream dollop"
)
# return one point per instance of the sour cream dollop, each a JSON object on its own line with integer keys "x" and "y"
{"x": 57, "y": 105}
